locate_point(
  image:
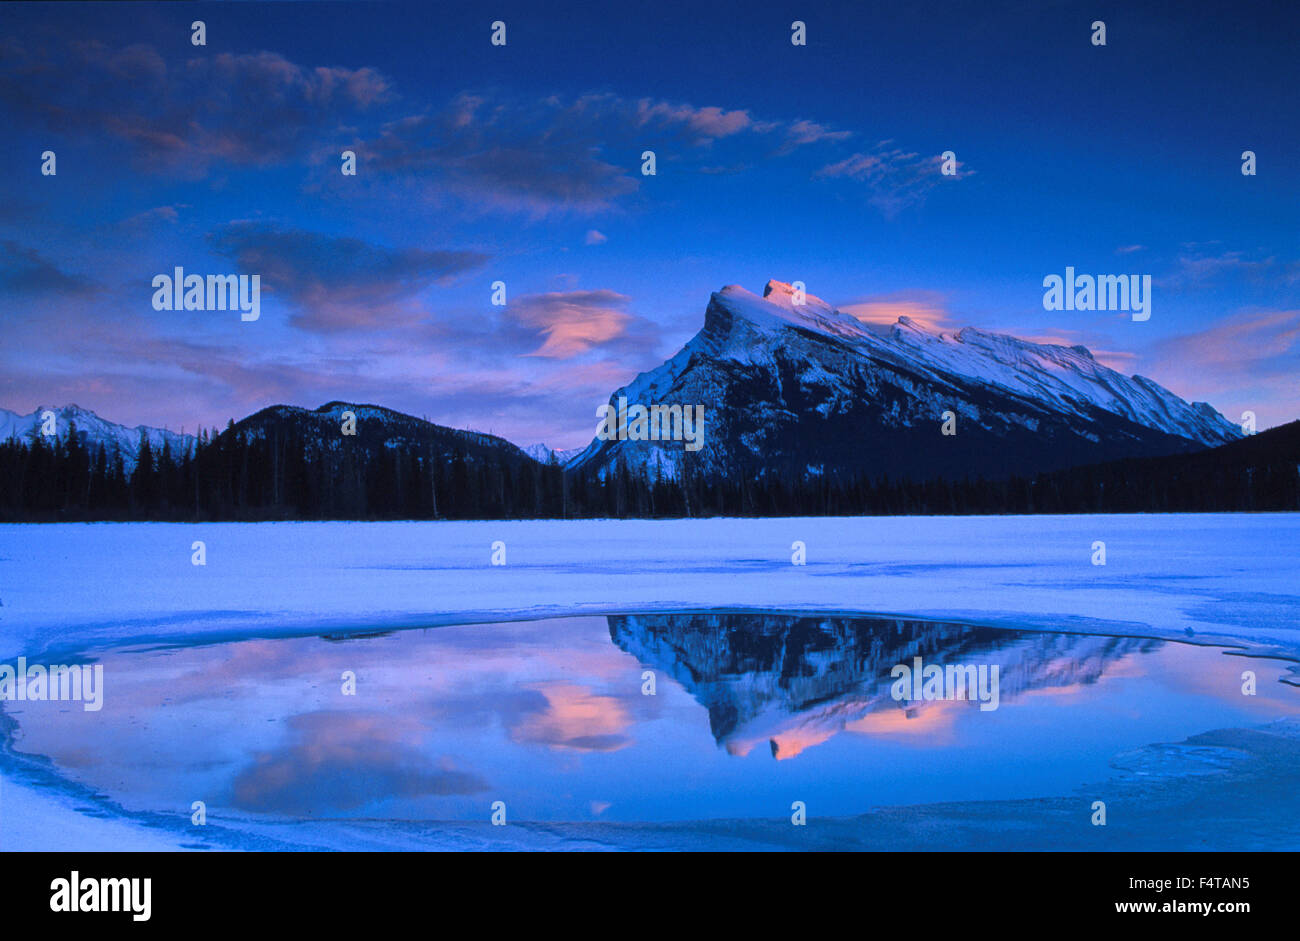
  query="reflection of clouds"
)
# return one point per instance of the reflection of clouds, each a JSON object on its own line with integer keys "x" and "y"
{"x": 784, "y": 744}
{"x": 473, "y": 669}
{"x": 923, "y": 723}
{"x": 1220, "y": 679}
{"x": 575, "y": 718}
{"x": 263, "y": 721}
{"x": 222, "y": 668}
{"x": 481, "y": 706}
{"x": 345, "y": 760}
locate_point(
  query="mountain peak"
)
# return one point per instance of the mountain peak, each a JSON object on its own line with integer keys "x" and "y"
{"x": 781, "y": 306}
{"x": 785, "y": 296}
{"x": 906, "y": 324}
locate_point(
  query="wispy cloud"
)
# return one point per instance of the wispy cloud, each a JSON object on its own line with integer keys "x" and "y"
{"x": 1250, "y": 360}
{"x": 894, "y": 178}
{"x": 24, "y": 271}
{"x": 1198, "y": 269}
{"x": 337, "y": 282}
{"x": 801, "y": 133}
{"x": 706, "y": 123}
{"x": 557, "y": 154}
{"x": 536, "y": 157}
{"x": 250, "y": 109}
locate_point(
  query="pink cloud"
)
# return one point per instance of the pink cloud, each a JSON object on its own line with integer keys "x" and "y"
{"x": 1248, "y": 362}
{"x": 573, "y": 321}
{"x": 709, "y": 122}
{"x": 927, "y": 308}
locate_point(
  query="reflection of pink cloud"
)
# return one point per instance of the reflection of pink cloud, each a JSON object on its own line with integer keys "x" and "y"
{"x": 927, "y": 722}
{"x": 789, "y": 744}
{"x": 924, "y": 723}
{"x": 340, "y": 761}
{"x": 575, "y": 718}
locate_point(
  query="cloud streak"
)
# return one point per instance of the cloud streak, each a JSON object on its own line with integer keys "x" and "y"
{"x": 26, "y": 272}
{"x": 248, "y": 109}
{"x": 894, "y": 179}
{"x": 337, "y": 282}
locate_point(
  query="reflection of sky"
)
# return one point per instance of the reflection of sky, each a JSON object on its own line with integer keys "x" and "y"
{"x": 549, "y": 717}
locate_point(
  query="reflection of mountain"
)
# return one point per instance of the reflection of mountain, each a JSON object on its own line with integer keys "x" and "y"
{"x": 796, "y": 681}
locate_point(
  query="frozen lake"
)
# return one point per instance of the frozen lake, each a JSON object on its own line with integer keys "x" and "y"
{"x": 223, "y": 683}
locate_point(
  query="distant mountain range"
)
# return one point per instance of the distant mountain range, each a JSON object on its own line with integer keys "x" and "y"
{"x": 93, "y": 431}
{"x": 543, "y": 455}
{"x": 807, "y": 410}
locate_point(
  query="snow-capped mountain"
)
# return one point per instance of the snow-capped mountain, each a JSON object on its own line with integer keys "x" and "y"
{"x": 93, "y": 431}
{"x": 801, "y": 390}
{"x": 542, "y": 454}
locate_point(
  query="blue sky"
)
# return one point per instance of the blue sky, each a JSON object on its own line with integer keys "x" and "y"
{"x": 522, "y": 164}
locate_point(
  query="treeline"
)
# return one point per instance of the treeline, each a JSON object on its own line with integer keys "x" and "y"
{"x": 244, "y": 476}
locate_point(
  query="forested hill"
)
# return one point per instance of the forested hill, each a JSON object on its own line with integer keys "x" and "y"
{"x": 293, "y": 463}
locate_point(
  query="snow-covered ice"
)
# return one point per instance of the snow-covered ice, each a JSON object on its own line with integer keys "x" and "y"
{"x": 79, "y": 585}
